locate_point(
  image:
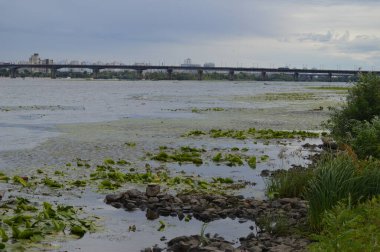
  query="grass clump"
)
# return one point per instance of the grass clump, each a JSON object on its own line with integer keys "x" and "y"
{"x": 337, "y": 179}
{"x": 347, "y": 228}
{"x": 289, "y": 184}
{"x": 274, "y": 224}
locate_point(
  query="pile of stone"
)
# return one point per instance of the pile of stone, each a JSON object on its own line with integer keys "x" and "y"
{"x": 209, "y": 207}
{"x": 204, "y": 207}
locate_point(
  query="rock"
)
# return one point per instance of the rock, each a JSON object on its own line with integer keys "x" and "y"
{"x": 2, "y": 193}
{"x": 151, "y": 214}
{"x": 113, "y": 198}
{"x": 130, "y": 206}
{"x": 117, "y": 205}
{"x": 152, "y": 190}
{"x": 265, "y": 173}
{"x": 157, "y": 249}
{"x": 134, "y": 193}
{"x": 282, "y": 248}
{"x": 153, "y": 200}
{"x": 292, "y": 201}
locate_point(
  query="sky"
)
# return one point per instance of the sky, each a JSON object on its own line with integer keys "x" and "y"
{"x": 335, "y": 34}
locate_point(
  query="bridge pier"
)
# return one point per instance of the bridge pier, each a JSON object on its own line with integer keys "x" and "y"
{"x": 264, "y": 76}
{"x": 330, "y": 77}
{"x": 170, "y": 72}
{"x": 53, "y": 73}
{"x": 200, "y": 74}
{"x": 140, "y": 74}
{"x": 296, "y": 76}
{"x": 95, "y": 73}
{"x": 13, "y": 72}
{"x": 231, "y": 75}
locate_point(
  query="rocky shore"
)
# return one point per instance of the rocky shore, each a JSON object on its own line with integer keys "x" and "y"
{"x": 209, "y": 207}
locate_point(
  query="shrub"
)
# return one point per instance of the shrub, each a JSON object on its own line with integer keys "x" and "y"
{"x": 366, "y": 139}
{"x": 363, "y": 104}
{"x": 350, "y": 229}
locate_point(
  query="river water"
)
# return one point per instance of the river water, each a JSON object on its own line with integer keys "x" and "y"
{"x": 45, "y": 123}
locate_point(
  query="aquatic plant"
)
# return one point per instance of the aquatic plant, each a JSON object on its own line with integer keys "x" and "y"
{"x": 254, "y": 133}
{"x": 252, "y": 162}
{"x": 184, "y": 154}
{"x": 23, "y": 220}
{"x": 229, "y": 158}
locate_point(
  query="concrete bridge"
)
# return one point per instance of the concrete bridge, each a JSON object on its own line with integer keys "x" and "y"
{"x": 198, "y": 69}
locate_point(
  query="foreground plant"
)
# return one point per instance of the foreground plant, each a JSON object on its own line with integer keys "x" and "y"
{"x": 348, "y": 228}
{"x": 338, "y": 179}
{"x": 32, "y": 223}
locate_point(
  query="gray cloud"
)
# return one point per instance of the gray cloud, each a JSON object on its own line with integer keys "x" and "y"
{"x": 126, "y": 30}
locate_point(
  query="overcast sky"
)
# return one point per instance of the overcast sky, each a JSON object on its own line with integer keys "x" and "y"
{"x": 334, "y": 34}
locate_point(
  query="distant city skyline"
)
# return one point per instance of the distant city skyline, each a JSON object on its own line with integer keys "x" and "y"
{"x": 313, "y": 34}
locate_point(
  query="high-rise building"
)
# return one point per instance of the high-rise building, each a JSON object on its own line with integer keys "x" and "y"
{"x": 36, "y": 60}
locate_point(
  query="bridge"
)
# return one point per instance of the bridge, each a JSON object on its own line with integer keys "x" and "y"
{"x": 13, "y": 68}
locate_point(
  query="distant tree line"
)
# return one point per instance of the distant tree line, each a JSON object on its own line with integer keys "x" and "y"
{"x": 162, "y": 75}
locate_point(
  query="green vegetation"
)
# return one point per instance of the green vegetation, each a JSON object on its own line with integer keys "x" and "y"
{"x": 274, "y": 224}
{"x": 252, "y": 162}
{"x": 254, "y": 133}
{"x": 196, "y": 110}
{"x": 288, "y": 96}
{"x": 365, "y": 138}
{"x": 355, "y": 122}
{"x": 340, "y": 179}
{"x": 333, "y": 88}
{"x": 229, "y": 159}
{"x": 185, "y": 154}
{"x": 351, "y": 229}
{"x": 24, "y": 223}
{"x": 288, "y": 184}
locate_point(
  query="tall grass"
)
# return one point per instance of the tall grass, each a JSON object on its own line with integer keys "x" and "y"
{"x": 340, "y": 179}
{"x": 288, "y": 184}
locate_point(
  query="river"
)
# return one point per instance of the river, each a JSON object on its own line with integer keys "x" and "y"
{"x": 48, "y": 123}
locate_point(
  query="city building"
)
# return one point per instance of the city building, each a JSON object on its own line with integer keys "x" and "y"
{"x": 36, "y": 60}
{"x": 188, "y": 63}
{"x": 209, "y": 64}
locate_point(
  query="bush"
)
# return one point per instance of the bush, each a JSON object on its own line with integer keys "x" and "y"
{"x": 363, "y": 104}
{"x": 366, "y": 140}
{"x": 350, "y": 229}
